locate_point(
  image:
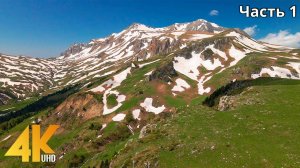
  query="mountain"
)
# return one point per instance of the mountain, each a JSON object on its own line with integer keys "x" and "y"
{"x": 142, "y": 42}
{"x": 82, "y": 62}
{"x": 85, "y": 61}
{"x": 22, "y": 76}
{"x": 112, "y": 95}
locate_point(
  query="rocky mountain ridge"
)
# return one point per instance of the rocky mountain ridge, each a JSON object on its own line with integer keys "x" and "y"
{"x": 24, "y": 77}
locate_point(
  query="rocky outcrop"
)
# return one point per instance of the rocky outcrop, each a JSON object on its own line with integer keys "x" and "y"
{"x": 225, "y": 103}
{"x": 83, "y": 106}
{"x": 4, "y": 98}
{"x": 160, "y": 47}
{"x": 207, "y": 55}
{"x": 222, "y": 44}
{"x": 227, "y": 90}
{"x": 74, "y": 49}
{"x": 146, "y": 130}
{"x": 165, "y": 73}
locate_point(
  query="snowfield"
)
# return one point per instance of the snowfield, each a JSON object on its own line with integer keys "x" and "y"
{"x": 120, "y": 99}
{"x": 113, "y": 83}
{"x": 148, "y": 63}
{"x": 26, "y": 75}
{"x": 295, "y": 65}
{"x": 119, "y": 117}
{"x": 220, "y": 53}
{"x": 252, "y": 45}
{"x": 236, "y": 54}
{"x": 275, "y": 71}
{"x": 180, "y": 86}
{"x": 273, "y": 58}
{"x": 188, "y": 67}
{"x": 201, "y": 89}
{"x": 7, "y": 81}
{"x": 200, "y": 36}
{"x": 108, "y": 86}
{"x": 136, "y": 114}
{"x": 147, "y": 105}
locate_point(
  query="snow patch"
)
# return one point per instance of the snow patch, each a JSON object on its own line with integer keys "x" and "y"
{"x": 295, "y": 65}
{"x": 142, "y": 65}
{"x": 99, "y": 88}
{"x": 131, "y": 129}
{"x": 103, "y": 126}
{"x": 120, "y": 99}
{"x": 273, "y": 58}
{"x": 188, "y": 67}
{"x": 119, "y": 117}
{"x": 6, "y": 138}
{"x": 278, "y": 72}
{"x": 148, "y": 73}
{"x": 147, "y": 104}
{"x": 277, "y": 46}
{"x": 180, "y": 86}
{"x": 200, "y": 36}
{"x": 220, "y": 53}
{"x": 136, "y": 114}
{"x": 115, "y": 82}
{"x": 183, "y": 46}
{"x": 201, "y": 89}
{"x": 234, "y": 34}
{"x": 247, "y": 42}
{"x": 236, "y": 54}
{"x": 107, "y": 88}
{"x": 105, "y": 74}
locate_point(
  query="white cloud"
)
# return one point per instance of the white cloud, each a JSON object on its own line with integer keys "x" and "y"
{"x": 284, "y": 38}
{"x": 251, "y": 30}
{"x": 214, "y": 13}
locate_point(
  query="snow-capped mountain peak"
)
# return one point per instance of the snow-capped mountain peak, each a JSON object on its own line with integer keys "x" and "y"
{"x": 102, "y": 57}
{"x": 198, "y": 25}
{"x": 140, "y": 27}
{"x": 141, "y": 36}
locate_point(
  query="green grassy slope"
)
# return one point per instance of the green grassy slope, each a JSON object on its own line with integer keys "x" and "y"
{"x": 16, "y": 106}
{"x": 260, "y": 133}
{"x": 263, "y": 134}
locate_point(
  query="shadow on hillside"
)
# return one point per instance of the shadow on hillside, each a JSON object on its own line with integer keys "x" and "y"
{"x": 237, "y": 87}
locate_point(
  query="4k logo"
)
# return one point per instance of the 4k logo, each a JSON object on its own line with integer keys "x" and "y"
{"x": 21, "y": 145}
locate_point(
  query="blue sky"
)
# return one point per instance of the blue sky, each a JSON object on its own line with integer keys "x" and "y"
{"x": 43, "y": 28}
